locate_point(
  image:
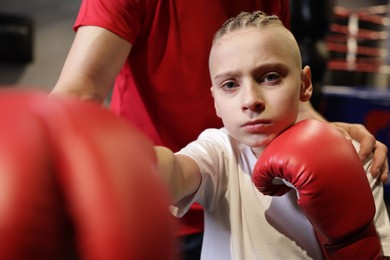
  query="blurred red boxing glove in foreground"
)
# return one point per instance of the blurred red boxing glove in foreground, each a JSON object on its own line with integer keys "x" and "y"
{"x": 76, "y": 181}
{"x": 333, "y": 190}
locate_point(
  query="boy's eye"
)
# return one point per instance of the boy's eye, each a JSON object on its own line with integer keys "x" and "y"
{"x": 271, "y": 77}
{"x": 229, "y": 85}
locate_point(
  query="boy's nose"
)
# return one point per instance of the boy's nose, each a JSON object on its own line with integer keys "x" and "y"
{"x": 252, "y": 99}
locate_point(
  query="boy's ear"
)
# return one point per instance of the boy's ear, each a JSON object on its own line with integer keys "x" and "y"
{"x": 306, "y": 84}
{"x": 215, "y": 106}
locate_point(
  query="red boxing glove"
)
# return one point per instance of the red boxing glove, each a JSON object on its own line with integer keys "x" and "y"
{"x": 77, "y": 182}
{"x": 333, "y": 191}
{"x": 33, "y": 221}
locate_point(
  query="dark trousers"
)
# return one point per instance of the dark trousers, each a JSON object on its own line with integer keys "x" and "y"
{"x": 190, "y": 246}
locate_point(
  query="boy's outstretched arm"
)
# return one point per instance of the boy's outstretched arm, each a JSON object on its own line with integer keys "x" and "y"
{"x": 180, "y": 173}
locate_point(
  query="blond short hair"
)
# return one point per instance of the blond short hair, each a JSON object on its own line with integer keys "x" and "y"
{"x": 257, "y": 19}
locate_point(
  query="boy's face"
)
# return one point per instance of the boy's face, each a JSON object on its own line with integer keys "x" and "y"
{"x": 257, "y": 83}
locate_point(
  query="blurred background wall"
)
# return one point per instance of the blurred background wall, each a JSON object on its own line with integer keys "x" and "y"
{"x": 52, "y": 37}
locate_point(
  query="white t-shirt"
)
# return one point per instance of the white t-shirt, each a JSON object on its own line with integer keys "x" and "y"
{"x": 240, "y": 222}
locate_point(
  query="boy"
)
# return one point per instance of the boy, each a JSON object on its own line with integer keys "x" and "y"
{"x": 257, "y": 83}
